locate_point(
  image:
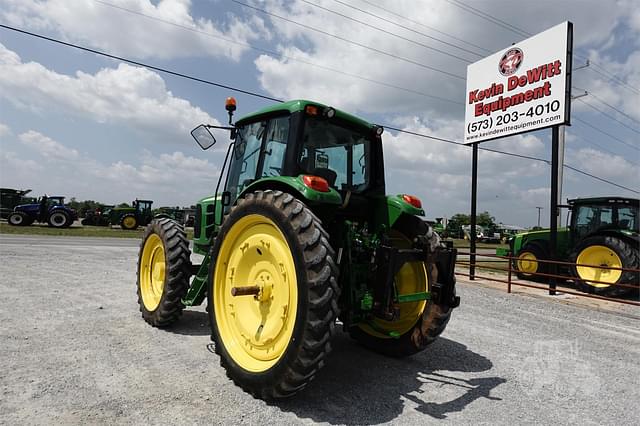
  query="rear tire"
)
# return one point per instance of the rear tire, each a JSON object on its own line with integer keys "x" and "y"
{"x": 163, "y": 272}
{"x": 273, "y": 343}
{"x": 59, "y": 219}
{"x": 19, "y": 219}
{"x": 429, "y": 324}
{"x": 608, "y": 251}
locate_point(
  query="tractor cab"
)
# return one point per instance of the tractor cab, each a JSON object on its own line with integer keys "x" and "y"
{"x": 53, "y": 201}
{"x": 142, "y": 206}
{"x": 591, "y": 216}
{"x": 327, "y": 150}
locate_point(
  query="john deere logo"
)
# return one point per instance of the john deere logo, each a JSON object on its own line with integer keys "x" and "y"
{"x": 510, "y": 61}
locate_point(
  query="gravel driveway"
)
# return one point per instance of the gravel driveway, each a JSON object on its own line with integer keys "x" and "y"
{"x": 74, "y": 349}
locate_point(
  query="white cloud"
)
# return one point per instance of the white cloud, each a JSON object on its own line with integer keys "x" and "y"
{"x": 140, "y": 28}
{"x": 594, "y": 21}
{"x": 126, "y": 95}
{"x": 4, "y": 130}
{"x": 48, "y": 147}
{"x": 168, "y": 178}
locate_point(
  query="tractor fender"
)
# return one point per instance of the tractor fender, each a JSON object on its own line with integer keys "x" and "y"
{"x": 631, "y": 238}
{"x": 396, "y": 206}
{"x": 296, "y": 187}
{"x": 162, "y": 216}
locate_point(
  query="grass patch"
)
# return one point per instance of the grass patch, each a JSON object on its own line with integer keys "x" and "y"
{"x": 76, "y": 231}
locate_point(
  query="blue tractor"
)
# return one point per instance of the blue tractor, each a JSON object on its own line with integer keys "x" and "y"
{"x": 51, "y": 210}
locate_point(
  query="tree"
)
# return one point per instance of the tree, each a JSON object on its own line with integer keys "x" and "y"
{"x": 455, "y": 223}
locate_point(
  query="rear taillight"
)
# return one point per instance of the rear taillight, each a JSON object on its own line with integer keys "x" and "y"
{"x": 413, "y": 200}
{"x": 316, "y": 183}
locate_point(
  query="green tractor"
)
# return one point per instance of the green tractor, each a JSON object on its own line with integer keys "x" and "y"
{"x": 299, "y": 235}
{"x": 601, "y": 231}
{"x": 139, "y": 214}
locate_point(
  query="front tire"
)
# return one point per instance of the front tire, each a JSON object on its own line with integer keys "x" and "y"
{"x": 420, "y": 323}
{"x": 19, "y": 219}
{"x": 129, "y": 222}
{"x": 611, "y": 252}
{"x": 528, "y": 263}
{"x": 272, "y": 343}
{"x": 164, "y": 268}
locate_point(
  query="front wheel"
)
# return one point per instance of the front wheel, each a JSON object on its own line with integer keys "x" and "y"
{"x": 419, "y": 323}
{"x": 163, "y": 272}
{"x": 527, "y": 264}
{"x": 129, "y": 222}
{"x": 272, "y": 294}
{"x": 19, "y": 219}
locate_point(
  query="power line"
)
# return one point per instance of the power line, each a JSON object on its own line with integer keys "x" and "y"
{"x": 608, "y": 115}
{"x": 511, "y": 154}
{"x": 582, "y": 172}
{"x": 489, "y": 18}
{"x": 615, "y": 138}
{"x": 250, "y": 93}
{"x": 278, "y": 54}
{"x": 597, "y": 145}
{"x": 355, "y": 43}
{"x": 141, "y": 64}
{"x": 524, "y": 33}
{"x": 426, "y": 46}
{"x": 608, "y": 74}
{"x": 423, "y": 25}
{"x": 408, "y": 28}
{"x": 619, "y": 111}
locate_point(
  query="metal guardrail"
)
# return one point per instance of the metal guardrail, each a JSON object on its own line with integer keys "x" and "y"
{"x": 551, "y": 287}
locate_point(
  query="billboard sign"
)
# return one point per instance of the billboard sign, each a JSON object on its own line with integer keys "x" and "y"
{"x": 522, "y": 88}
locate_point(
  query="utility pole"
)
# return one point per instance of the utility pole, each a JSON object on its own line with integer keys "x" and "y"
{"x": 539, "y": 208}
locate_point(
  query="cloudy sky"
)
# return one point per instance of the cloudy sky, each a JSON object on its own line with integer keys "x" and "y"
{"x": 76, "y": 124}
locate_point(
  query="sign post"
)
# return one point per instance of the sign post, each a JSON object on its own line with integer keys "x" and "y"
{"x": 522, "y": 88}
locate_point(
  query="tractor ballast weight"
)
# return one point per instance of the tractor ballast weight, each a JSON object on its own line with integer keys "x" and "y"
{"x": 299, "y": 234}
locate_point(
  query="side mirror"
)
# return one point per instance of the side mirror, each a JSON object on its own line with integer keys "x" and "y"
{"x": 203, "y": 136}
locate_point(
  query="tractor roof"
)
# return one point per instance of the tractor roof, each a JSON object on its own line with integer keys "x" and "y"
{"x": 299, "y": 105}
{"x": 599, "y": 200}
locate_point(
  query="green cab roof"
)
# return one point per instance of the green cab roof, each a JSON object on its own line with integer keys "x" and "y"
{"x": 299, "y": 105}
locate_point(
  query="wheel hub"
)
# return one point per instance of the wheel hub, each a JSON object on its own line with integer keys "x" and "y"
{"x": 599, "y": 256}
{"x": 256, "y": 327}
{"x": 152, "y": 272}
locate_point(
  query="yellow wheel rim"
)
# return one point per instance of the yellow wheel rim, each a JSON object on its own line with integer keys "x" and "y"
{"x": 255, "y": 329}
{"x": 152, "y": 272}
{"x": 527, "y": 263}
{"x": 599, "y": 256}
{"x": 412, "y": 278}
{"x": 129, "y": 222}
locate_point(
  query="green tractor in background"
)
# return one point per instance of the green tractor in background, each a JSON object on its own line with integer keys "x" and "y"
{"x": 602, "y": 231}
{"x": 299, "y": 234}
{"x": 129, "y": 218}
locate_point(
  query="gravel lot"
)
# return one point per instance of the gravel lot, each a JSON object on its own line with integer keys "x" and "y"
{"x": 74, "y": 349}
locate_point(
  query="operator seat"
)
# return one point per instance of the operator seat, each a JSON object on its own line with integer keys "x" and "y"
{"x": 327, "y": 174}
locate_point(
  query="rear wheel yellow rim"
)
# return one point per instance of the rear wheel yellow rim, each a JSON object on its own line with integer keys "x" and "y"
{"x": 255, "y": 329}
{"x": 412, "y": 278}
{"x": 129, "y": 222}
{"x": 152, "y": 272}
{"x": 527, "y": 263}
{"x": 599, "y": 256}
